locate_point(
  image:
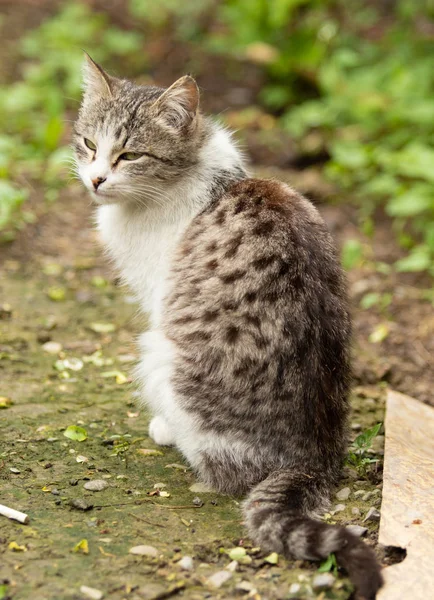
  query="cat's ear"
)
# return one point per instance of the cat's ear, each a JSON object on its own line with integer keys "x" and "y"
{"x": 178, "y": 106}
{"x": 96, "y": 82}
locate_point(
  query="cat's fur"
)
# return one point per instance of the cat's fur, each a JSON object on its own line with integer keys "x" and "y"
{"x": 246, "y": 363}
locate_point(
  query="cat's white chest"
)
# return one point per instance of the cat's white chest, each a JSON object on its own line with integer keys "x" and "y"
{"x": 142, "y": 249}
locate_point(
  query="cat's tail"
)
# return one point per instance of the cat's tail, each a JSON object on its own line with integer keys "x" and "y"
{"x": 276, "y": 514}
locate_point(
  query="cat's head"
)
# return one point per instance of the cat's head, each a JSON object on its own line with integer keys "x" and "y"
{"x": 130, "y": 139}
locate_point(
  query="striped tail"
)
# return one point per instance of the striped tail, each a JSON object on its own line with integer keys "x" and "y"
{"x": 276, "y": 516}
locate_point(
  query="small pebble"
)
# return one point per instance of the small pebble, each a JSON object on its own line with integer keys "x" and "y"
{"x": 359, "y": 493}
{"x": 356, "y": 426}
{"x": 339, "y": 508}
{"x": 55, "y": 491}
{"x": 52, "y": 347}
{"x": 369, "y": 495}
{"x": 372, "y": 515}
{"x": 294, "y": 588}
{"x": 219, "y": 578}
{"x": 14, "y": 470}
{"x": 355, "y": 510}
{"x": 197, "y": 501}
{"x": 246, "y": 586}
{"x": 323, "y": 581}
{"x": 144, "y": 551}
{"x": 232, "y": 566}
{"x": 357, "y": 530}
{"x": 96, "y": 485}
{"x": 81, "y": 504}
{"x": 343, "y": 494}
{"x": 92, "y": 593}
{"x": 186, "y": 563}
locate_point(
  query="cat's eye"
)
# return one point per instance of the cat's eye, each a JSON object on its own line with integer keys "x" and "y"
{"x": 130, "y": 156}
{"x": 90, "y": 144}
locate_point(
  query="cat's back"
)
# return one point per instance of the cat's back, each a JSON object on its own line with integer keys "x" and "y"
{"x": 259, "y": 238}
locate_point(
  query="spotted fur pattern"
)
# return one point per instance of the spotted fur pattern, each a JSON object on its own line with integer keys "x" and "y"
{"x": 245, "y": 366}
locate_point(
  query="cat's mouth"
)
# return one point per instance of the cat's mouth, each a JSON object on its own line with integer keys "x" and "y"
{"x": 103, "y": 197}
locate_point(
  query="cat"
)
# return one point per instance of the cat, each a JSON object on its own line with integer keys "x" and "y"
{"x": 245, "y": 366}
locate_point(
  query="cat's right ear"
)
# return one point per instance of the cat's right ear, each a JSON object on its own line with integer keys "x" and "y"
{"x": 96, "y": 82}
{"x": 177, "y": 108}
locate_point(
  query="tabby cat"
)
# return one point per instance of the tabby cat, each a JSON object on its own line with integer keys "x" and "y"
{"x": 245, "y": 366}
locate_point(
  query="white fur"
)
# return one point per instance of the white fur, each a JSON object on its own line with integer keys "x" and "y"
{"x": 142, "y": 240}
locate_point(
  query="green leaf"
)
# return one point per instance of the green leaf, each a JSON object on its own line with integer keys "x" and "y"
{"x": 329, "y": 564}
{"x": 418, "y": 260}
{"x": 352, "y": 254}
{"x": 76, "y": 433}
{"x": 364, "y": 440}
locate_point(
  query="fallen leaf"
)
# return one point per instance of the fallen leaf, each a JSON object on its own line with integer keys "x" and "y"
{"x": 16, "y": 548}
{"x": 104, "y": 553}
{"x": 82, "y": 546}
{"x": 74, "y": 432}
{"x": 379, "y": 334}
{"x": 120, "y": 377}
{"x": 237, "y": 553}
{"x": 56, "y": 294}
{"x": 272, "y": 558}
{"x": 5, "y": 402}
{"x": 149, "y": 452}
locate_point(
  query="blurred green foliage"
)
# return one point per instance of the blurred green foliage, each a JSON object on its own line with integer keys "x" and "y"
{"x": 35, "y": 108}
{"x": 357, "y": 74}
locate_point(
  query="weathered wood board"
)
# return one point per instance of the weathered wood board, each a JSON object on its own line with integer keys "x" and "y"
{"x": 407, "y": 514}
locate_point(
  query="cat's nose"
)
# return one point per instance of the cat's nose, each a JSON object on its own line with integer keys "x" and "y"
{"x": 97, "y": 182}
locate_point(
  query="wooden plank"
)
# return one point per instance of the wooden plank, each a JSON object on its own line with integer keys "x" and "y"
{"x": 407, "y": 513}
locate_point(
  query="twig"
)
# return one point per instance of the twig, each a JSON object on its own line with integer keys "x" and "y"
{"x": 145, "y": 520}
{"x": 11, "y": 513}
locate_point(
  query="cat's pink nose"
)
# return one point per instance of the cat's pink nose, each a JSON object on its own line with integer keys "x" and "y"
{"x": 97, "y": 182}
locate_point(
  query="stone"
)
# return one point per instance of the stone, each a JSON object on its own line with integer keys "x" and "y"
{"x": 294, "y": 588}
{"x": 186, "y": 563}
{"x": 339, "y": 508}
{"x": 232, "y": 566}
{"x": 355, "y": 510}
{"x": 92, "y": 593}
{"x": 218, "y": 579}
{"x": 369, "y": 495}
{"x": 96, "y": 485}
{"x": 343, "y": 494}
{"x": 372, "y": 515}
{"x": 246, "y": 586}
{"x": 81, "y": 504}
{"x": 323, "y": 581}
{"x": 52, "y": 348}
{"x": 357, "y": 530}
{"x": 408, "y": 501}
{"x": 144, "y": 551}
{"x": 359, "y": 493}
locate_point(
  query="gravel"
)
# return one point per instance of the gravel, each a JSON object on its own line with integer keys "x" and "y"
{"x": 372, "y": 515}
{"x": 343, "y": 494}
{"x": 323, "y": 581}
{"x": 96, "y": 485}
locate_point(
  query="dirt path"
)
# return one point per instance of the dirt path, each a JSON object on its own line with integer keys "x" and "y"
{"x": 56, "y": 287}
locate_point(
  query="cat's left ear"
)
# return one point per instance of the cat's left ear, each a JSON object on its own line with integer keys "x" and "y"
{"x": 178, "y": 106}
{"x": 96, "y": 82}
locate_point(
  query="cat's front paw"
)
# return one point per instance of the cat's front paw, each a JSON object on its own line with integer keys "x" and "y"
{"x": 160, "y": 432}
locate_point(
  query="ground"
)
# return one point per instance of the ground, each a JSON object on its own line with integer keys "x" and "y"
{"x": 56, "y": 286}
